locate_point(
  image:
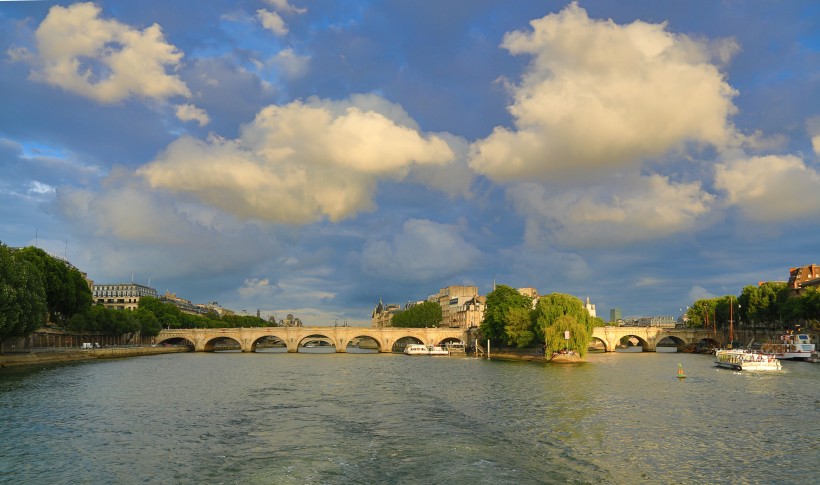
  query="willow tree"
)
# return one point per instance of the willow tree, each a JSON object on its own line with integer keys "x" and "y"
{"x": 555, "y": 336}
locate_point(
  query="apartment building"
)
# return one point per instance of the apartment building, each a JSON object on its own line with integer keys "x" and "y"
{"x": 121, "y": 296}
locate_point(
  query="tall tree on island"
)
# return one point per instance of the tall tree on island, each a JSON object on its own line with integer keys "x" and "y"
{"x": 557, "y": 313}
{"x": 496, "y": 314}
{"x": 555, "y": 336}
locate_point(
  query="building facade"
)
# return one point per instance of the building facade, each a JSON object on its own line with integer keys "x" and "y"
{"x": 808, "y": 275}
{"x": 121, "y": 296}
{"x": 659, "y": 321}
{"x": 590, "y": 308}
{"x": 382, "y": 314}
{"x": 452, "y": 300}
{"x": 471, "y": 313}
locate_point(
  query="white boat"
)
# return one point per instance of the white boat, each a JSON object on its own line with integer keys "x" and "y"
{"x": 437, "y": 350}
{"x": 742, "y": 359}
{"x": 790, "y": 346}
{"x": 420, "y": 349}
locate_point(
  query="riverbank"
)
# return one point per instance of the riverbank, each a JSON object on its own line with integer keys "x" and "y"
{"x": 527, "y": 355}
{"x": 35, "y": 358}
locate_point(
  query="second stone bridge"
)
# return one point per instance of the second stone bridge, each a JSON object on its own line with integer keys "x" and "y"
{"x": 203, "y": 339}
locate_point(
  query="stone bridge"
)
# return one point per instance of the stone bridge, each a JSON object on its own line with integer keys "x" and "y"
{"x": 648, "y": 337}
{"x": 203, "y": 339}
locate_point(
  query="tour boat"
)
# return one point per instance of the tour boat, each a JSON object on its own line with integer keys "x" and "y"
{"x": 420, "y": 349}
{"x": 742, "y": 359}
{"x": 791, "y": 346}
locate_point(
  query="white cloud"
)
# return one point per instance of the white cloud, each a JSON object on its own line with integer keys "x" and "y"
{"x": 158, "y": 234}
{"x": 300, "y": 162}
{"x": 40, "y": 188}
{"x": 627, "y": 210}
{"x": 423, "y": 251}
{"x": 700, "y": 293}
{"x": 105, "y": 60}
{"x": 286, "y": 7}
{"x": 599, "y": 97}
{"x": 256, "y": 288}
{"x": 189, "y": 112}
{"x": 813, "y": 127}
{"x": 770, "y": 188}
{"x": 291, "y": 64}
{"x": 273, "y": 22}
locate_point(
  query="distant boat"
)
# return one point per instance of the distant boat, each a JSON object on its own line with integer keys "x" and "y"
{"x": 791, "y": 346}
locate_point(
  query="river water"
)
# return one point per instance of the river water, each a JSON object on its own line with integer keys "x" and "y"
{"x": 272, "y": 418}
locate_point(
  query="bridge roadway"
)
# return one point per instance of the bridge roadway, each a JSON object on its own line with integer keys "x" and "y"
{"x": 203, "y": 339}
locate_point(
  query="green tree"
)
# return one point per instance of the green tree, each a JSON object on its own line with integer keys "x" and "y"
{"x": 67, "y": 292}
{"x": 22, "y": 296}
{"x": 427, "y": 314}
{"x": 702, "y": 313}
{"x": 168, "y": 314}
{"x": 519, "y": 327}
{"x": 555, "y": 305}
{"x": 555, "y": 335}
{"x": 499, "y": 302}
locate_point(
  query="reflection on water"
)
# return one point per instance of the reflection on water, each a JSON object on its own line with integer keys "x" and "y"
{"x": 239, "y": 418}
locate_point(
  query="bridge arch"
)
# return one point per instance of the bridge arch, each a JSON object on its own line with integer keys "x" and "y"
{"x": 594, "y": 340}
{"x": 307, "y": 340}
{"x": 679, "y": 343}
{"x": 176, "y": 341}
{"x": 400, "y": 343}
{"x": 268, "y": 342}
{"x": 364, "y": 342}
{"x": 632, "y": 340}
{"x": 214, "y": 344}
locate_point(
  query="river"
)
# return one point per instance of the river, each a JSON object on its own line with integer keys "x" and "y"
{"x": 273, "y": 418}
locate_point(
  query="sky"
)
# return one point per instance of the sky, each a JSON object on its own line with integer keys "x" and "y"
{"x": 316, "y": 157}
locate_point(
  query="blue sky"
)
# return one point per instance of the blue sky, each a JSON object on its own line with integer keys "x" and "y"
{"x": 312, "y": 157}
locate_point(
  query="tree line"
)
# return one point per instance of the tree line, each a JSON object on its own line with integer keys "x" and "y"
{"x": 36, "y": 288}
{"x": 771, "y": 305}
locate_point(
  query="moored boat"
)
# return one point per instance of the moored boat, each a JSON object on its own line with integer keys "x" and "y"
{"x": 742, "y": 359}
{"x": 420, "y": 349}
{"x": 790, "y": 346}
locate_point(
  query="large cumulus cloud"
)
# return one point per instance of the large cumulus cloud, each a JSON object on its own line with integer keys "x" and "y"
{"x": 600, "y": 97}
{"x": 300, "y": 162}
{"x": 423, "y": 251}
{"x": 635, "y": 208}
{"x": 770, "y": 188}
{"x": 105, "y": 60}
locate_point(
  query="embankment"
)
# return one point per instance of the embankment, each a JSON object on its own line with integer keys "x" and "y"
{"x": 15, "y": 359}
{"x": 526, "y": 354}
